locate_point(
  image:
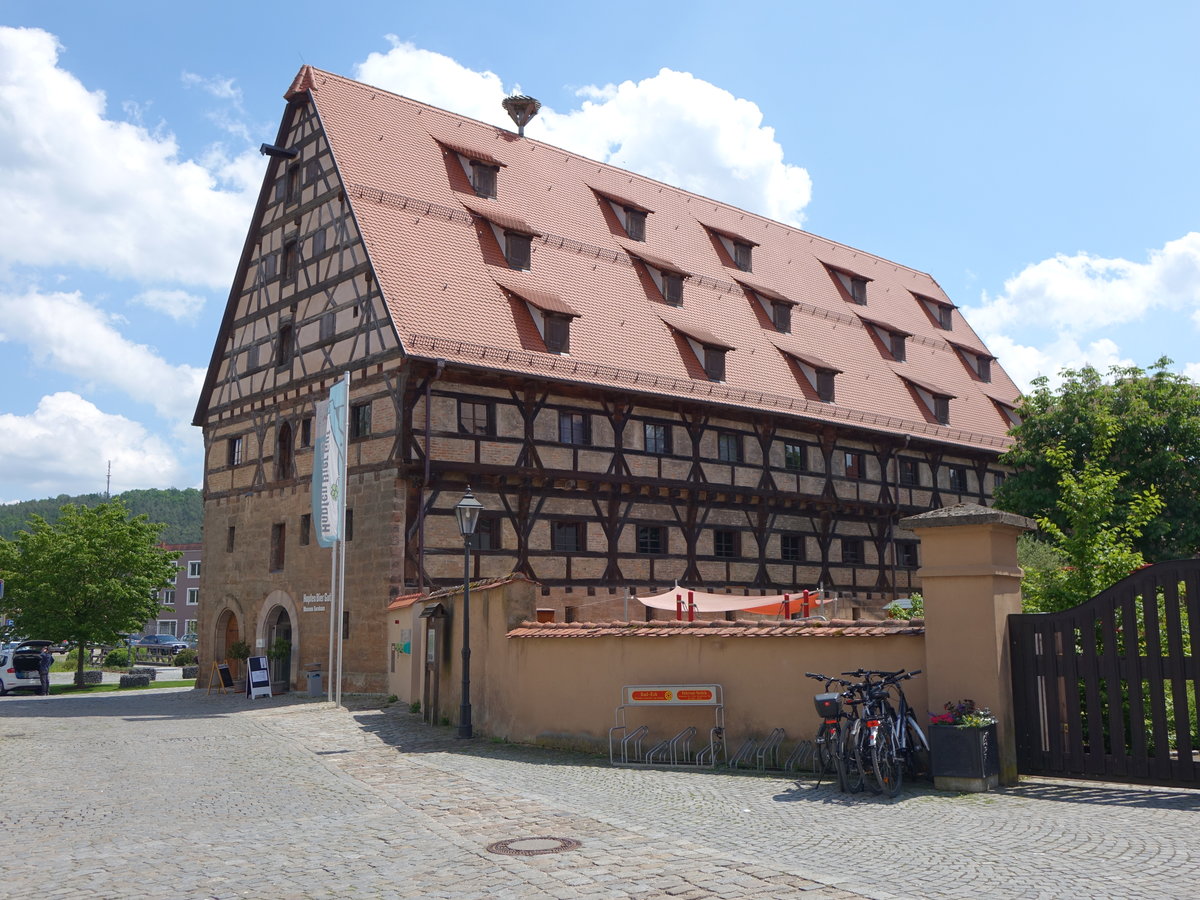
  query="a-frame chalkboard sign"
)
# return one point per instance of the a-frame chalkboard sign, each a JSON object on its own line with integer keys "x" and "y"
{"x": 220, "y": 678}
{"x": 258, "y": 679}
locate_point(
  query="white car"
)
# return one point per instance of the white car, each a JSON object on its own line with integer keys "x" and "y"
{"x": 19, "y": 666}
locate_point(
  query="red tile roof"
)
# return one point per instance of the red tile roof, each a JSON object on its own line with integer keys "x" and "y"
{"x": 543, "y": 300}
{"x": 390, "y": 168}
{"x": 477, "y": 155}
{"x": 741, "y": 628}
{"x": 507, "y": 220}
{"x": 731, "y": 234}
{"x": 681, "y": 323}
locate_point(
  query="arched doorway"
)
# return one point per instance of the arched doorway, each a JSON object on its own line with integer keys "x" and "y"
{"x": 227, "y": 634}
{"x": 279, "y": 632}
{"x": 283, "y": 452}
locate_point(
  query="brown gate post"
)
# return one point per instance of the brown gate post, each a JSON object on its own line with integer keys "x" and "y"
{"x": 971, "y": 583}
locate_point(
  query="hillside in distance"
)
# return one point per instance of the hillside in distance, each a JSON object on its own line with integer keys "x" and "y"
{"x": 182, "y": 511}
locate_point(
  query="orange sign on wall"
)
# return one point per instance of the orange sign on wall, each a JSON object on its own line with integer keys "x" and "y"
{"x": 672, "y": 694}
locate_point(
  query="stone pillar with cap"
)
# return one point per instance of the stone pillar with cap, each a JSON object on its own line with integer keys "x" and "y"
{"x": 971, "y": 583}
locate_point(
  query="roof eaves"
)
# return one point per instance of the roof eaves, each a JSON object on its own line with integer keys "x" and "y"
{"x": 695, "y": 332}
{"x": 764, "y": 292}
{"x": 732, "y": 235}
{"x": 936, "y": 301}
{"x": 885, "y": 325}
{"x": 926, "y": 386}
{"x": 623, "y": 201}
{"x": 651, "y": 260}
{"x": 804, "y": 356}
{"x": 543, "y": 300}
{"x": 967, "y": 348}
{"x": 506, "y": 220}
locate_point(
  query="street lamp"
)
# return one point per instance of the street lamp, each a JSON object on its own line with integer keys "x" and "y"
{"x": 467, "y": 512}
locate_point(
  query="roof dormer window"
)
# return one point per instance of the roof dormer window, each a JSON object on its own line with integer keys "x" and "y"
{"x": 781, "y": 316}
{"x": 550, "y": 313}
{"x": 897, "y": 346}
{"x": 630, "y": 214}
{"x": 517, "y": 249}
{"x": 667, "y": 277}
{"x": 976, "y": 361}
{"x": 557, "y": 333}
{"x": 672, "y": 288}
{"x": 483, "y": 178}
{"x": 936, "y": 400}
{"x": 854, "y": 286}
{"x": 820, "y": 375}
{"x": 709, "y": 349}
{"x": 714, "y": 363}
{"x": 635, "y": 223}
{"x": 741, "y": 256}
{"x": 891, "y": 338}
{"x": 738, "y": 248}
{"x": 777, "y": 307}
{"x": 940, "y": 311}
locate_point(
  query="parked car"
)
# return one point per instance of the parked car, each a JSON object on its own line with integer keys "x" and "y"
{"x": 162, "y": 643}
{"x": 190, "y": 639}
{"x": 19, "y": 666}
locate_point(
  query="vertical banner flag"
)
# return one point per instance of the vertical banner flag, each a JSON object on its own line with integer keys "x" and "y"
{"x": 328, "y": 492}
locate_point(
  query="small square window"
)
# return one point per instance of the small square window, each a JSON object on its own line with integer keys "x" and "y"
{"x": 193, "y": 596}
{"x": 574, "y": 428}
{"x": 487, "y": 533}
{"x": 729, "y": 447}
{"x": 568, "y": 537}
{"x": 635, "y": 224}
{"x": 856, "y": 466}
{"x": 958, "y": 478}
{"x": 791, "y": 547}
{"x": 558, "y": 333}
{"x": 193, "y": 568}
{"x": 483, "y": 178}
{"x": 305, "y": 529}
{"x": 233, "y": 451}
{"x": 726, "y": 544}
{"x": 781, "y": 315}
{"x": 517, "y": 249}
{"x": 657, "y": 437}
{"x": 795, "y": 456}
{"x": 360, "y": 420}
{"x": 852, "y": 551}
{"x": 283, "y": 349}
{"x": 910, "y": 473}
{"x": 906, "y": 554}
{"x": 714, "y": 363}
{"x": 672, "y": 288}
{"x": 741, "y": 256}
{"x": 168, "y": 597}
{"x": 651, "y": 539}
{"x": 474, "y": 417}
{"x": 278, "y": 536}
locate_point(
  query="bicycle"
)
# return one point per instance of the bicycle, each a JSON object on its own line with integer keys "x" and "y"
{"x": 830, "y": 746}
{"x": 886, "y": 740}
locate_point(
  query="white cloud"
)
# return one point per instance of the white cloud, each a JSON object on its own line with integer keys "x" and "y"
{"x": 77, "y": 188}
{"x": 66, "y": 333}
{"x": 65, "y": 446}
{"x": 179, "y": 305}
{"x": 1046, "y": 314}
{"x": 672, "y": 126}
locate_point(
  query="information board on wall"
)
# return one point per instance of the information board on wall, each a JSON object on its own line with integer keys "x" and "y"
{"x": 258, "y": 678}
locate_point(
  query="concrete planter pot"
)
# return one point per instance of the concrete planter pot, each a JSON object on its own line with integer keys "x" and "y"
{"x": 964, "y": 759}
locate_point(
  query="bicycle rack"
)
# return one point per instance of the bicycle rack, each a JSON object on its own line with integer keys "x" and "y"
{"x": 625, "y": 745}
{"x": 634, "y": 737}
{"x": 804, "y": 756}
{"x": 769, "y": 751}
{"x": 681, "y": 746}
{"x": 745, "y": 753}
{"x": 716, "y": 744}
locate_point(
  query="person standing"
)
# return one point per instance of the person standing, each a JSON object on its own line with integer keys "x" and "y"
{"x": 45, "y": 661}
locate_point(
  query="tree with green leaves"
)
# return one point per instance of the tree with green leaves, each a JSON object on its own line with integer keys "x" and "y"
{"x": 1155, "y": 420}
{"x": 89, "y": 577}
{"x": 1096, "y": 547}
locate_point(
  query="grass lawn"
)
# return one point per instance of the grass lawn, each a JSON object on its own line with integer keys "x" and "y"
{"x": 107, "y": 688}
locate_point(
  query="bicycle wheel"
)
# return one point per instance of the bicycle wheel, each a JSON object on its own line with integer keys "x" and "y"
{"x": 853, "y": 758}
{"x": 885, "y": 765}
{"x": 917, "y": 750}
{"x": 825, "y": 752}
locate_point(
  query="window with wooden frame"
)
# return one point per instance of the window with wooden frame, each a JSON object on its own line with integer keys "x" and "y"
{"x": 729, "y": 447}
{"x": 853, "y": 551}
{"x": 487, "y": 533}
{"x": 328, "y": 326}
{"x": 672, "y": 288}
{"x": 306, "y": 431}
{"x": 360, "y": 420}
{"x": 305, "y": 529}
{"x": 312, "y": 171}
{"x": 656, "y": 437}
{"x": 910, "y": 472}
{"x": 318, "y": 242}
{"x": 855, "y": 463}
{"x": 574, "y": 428}
{"x": 896, "y": 343}
{"x": 292, "y": 191}
{"x": 997, "y": 480}
{"x": 795, "y": 456}
{"x": 791, "y": 547}
{"x": 635, "y": 223}
{"x": 284, "y": 445}
{"x": 278, "y": 538}
{"x": 781, "y": 317}
{"x": 518, "y": 249}
{"x": 568, "y": 537}
{"x": 483, "y": 178}
{"x": 714, "y": 363}
{"x": 958, "y": 478}
{"x": 233, "y": 451}
{"x": 726, "y": 544}
{"x": 291, "y": 260}
{"x": 651, "y": 539}
{"x": 742, "y": 255}
{"x": 475, "y": 417}
{"x": 283, "y": 349}
{"x": 945, "y": 317}
{"x": 906, "y": 555}
{"x": 270, "y": 266}
{"x": 557, "y": 332}
{"x": 984, "y": 368}
{"x": 858, "y": 290}
{"x": 825, "y": 384}
{"x": 941, "y": 409}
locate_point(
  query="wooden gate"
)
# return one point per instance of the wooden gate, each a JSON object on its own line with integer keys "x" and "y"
{"x": 1108, "y": 690}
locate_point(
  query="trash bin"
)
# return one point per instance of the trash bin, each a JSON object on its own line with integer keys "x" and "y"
{"x": 314, "y": 684}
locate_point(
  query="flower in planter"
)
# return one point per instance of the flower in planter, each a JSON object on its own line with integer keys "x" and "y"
{"x": 963, "y": 714}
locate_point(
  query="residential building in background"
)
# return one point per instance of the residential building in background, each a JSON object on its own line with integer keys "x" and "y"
{"x": 180, "y": 613}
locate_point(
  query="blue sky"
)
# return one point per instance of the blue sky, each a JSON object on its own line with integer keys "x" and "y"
{"x": 1038, "y": 159}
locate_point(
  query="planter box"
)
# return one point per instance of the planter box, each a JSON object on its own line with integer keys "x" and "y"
{"x": 964, "y": 759}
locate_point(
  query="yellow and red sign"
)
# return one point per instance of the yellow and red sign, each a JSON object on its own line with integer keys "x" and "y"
{"x": 672, "y": 694}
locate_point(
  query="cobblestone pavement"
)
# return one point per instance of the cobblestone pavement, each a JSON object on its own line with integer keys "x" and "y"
{"x": 178, "y": 794}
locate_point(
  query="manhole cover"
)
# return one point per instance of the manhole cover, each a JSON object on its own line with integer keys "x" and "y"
{"x": 533, "y": 846}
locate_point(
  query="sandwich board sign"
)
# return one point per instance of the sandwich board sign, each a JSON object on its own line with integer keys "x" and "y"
{"x": 258, "y": 679}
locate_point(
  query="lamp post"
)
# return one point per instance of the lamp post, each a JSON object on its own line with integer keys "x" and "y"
{"x": 467, "y": 512}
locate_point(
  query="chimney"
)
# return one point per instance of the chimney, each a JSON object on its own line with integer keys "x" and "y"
{"x": 521, "y": 109}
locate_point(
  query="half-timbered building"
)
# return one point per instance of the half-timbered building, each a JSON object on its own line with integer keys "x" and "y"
{"x": 641, "y": 385}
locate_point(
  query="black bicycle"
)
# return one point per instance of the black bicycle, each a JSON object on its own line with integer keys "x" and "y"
{"x": 884, "y": 738}
{"x": 830, "y": 742}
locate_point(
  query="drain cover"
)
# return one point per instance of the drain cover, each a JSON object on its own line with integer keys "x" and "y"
{"x": 533, "y": 846}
